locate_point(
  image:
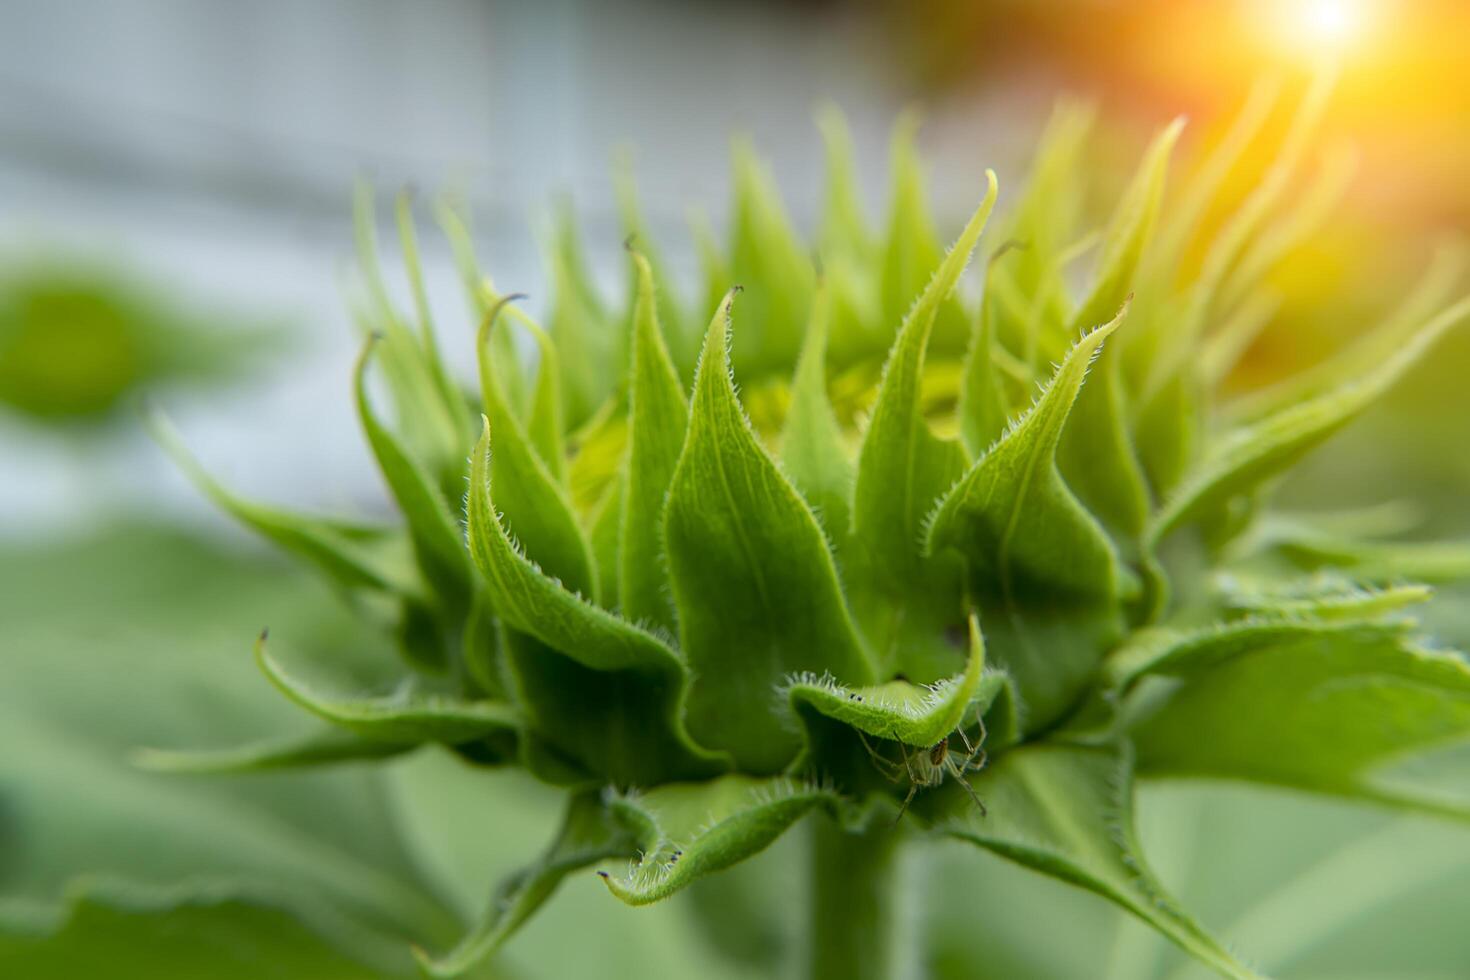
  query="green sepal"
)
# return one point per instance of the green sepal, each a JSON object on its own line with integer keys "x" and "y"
{"x": 604, "y": 528}
{"x": 906, "y": 599}
{"x": 1324, "y": 597}
{"x": 912, "y": 250}
{"x": 768, "y": 257}
{"x": 596, "y": 685}
{"x": 482, "y": 650}
{"x": 658, "y": 416}
{"x": 918, "y": 715}
{"x": 680, "y": 331}
{"x": 433, "y": 531}
{"x": 689, "y": 830}
{"x": 844, "y": 231}
{"x": 481, "y": 297}
{"x": 1044, "y": 220}
{"x": 984, "y": 405}
{"x": 1179, "y": 340}
{"x": 537, "y": 508}
{"x": 1226, "y": 345}
{"x": 352, "y": 556}
{"x": 1097, "y": 459}
{"x": 1130, "y": 233}
{"x": 1320, "y": 197}
{"x": 585, "y": 334}
{"x": 588, "y": 834}
{"x": 1041, "y": 570}
{"x": 812, "y": 443}
{"x": 1363, "y": 354}
{"x": 1305, "y": 544}
{"x": 1012, "y": 517}
{"x": 431, "y": 415}
{"x": 449, "y": 390}
{"x": 1179, "y": 653}
{"x": 1247, "y": 456}
{"x": 1202, "y": 188}
{"x": 544, "y": 423}
{"x": 752, "y": 576}
{"x": 400, "y": 710}
{"x": 1067, "y": 812}
{"x": 1096, "y": 454}
{"x": 716, "y": 275}
{"x": 328, "y": 746}
{"x": 1325, "y": 708}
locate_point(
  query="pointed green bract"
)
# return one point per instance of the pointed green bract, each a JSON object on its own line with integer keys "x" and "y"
{"x": 812, "y": 449}
{"x": 1362, "y": 355}
{"x": 680, "y": 331}
{"x": 481, "y": 296}
{"x": 604, "y": 533}
{"x": 1096, "y": 455}
{"x": 1242, "y": 228}
{"x": 326, "y": 747}
{"x": 1322, "y": 597}
{"x": 916, "y": 715}
{"x": 1322, "y": 195}
{"x": 687, "y": 831}
{"x": 1244, "y": 458}
{"x": 627, "y": 686}
{"x": 984, "y": 406}
{"x": 1373, "y": 561}
{"x": 352, "y": 556}
{"x": 1130, "y": 233}
{"x": 1225, "y": 347}
{"x": 905, "y": 598}
{"x": 1039, "y": 566}
{"x": 1067, "y": 811}
{"x": 434, "y": 533}
{"x": 582, "y": 329}
{"x": 544, "y": 425}
{"x": 588, "y": 834}
{"x": 1047, "y": 213}
{"x": 537, "y": 510}
{"x": 1168, "y": 428}
{"x": 657, "y": 417}
{"x": 912, "y": 250}
{"x": 752, "y": 577}
{"x": 1011, "y": 517}
{"x": 428, "y": 339}
{"x": 1203, "y": 187}
{"x": 430, "y": 412}
{"x": 844, "y": 230}
{"x": 1097, "y": 460}
{"x": 1327, "y": 707}
{"x": 1172, "y": 653}
{"x": 768, "y": 258}
{"x": 404, "y": 713}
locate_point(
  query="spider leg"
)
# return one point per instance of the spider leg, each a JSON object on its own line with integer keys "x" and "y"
{"x": 977, "y": 751}
{"x": 913, "y": 788}
{"x": 969, "y": 748}
{"x": 958, "y": 771}
{"x": 908, "y": 763}
{"x": 889, "y": 769}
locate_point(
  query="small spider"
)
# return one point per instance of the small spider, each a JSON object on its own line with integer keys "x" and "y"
{"x": 927, "y": 768}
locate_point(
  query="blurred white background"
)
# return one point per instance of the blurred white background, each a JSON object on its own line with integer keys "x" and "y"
{"x": 211, "y": 147}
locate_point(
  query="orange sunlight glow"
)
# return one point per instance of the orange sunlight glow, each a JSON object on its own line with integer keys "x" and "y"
{"x": 1317, "y": 28}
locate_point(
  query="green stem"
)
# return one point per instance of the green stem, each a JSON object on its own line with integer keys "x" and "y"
{"x": 853, "y": 902}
